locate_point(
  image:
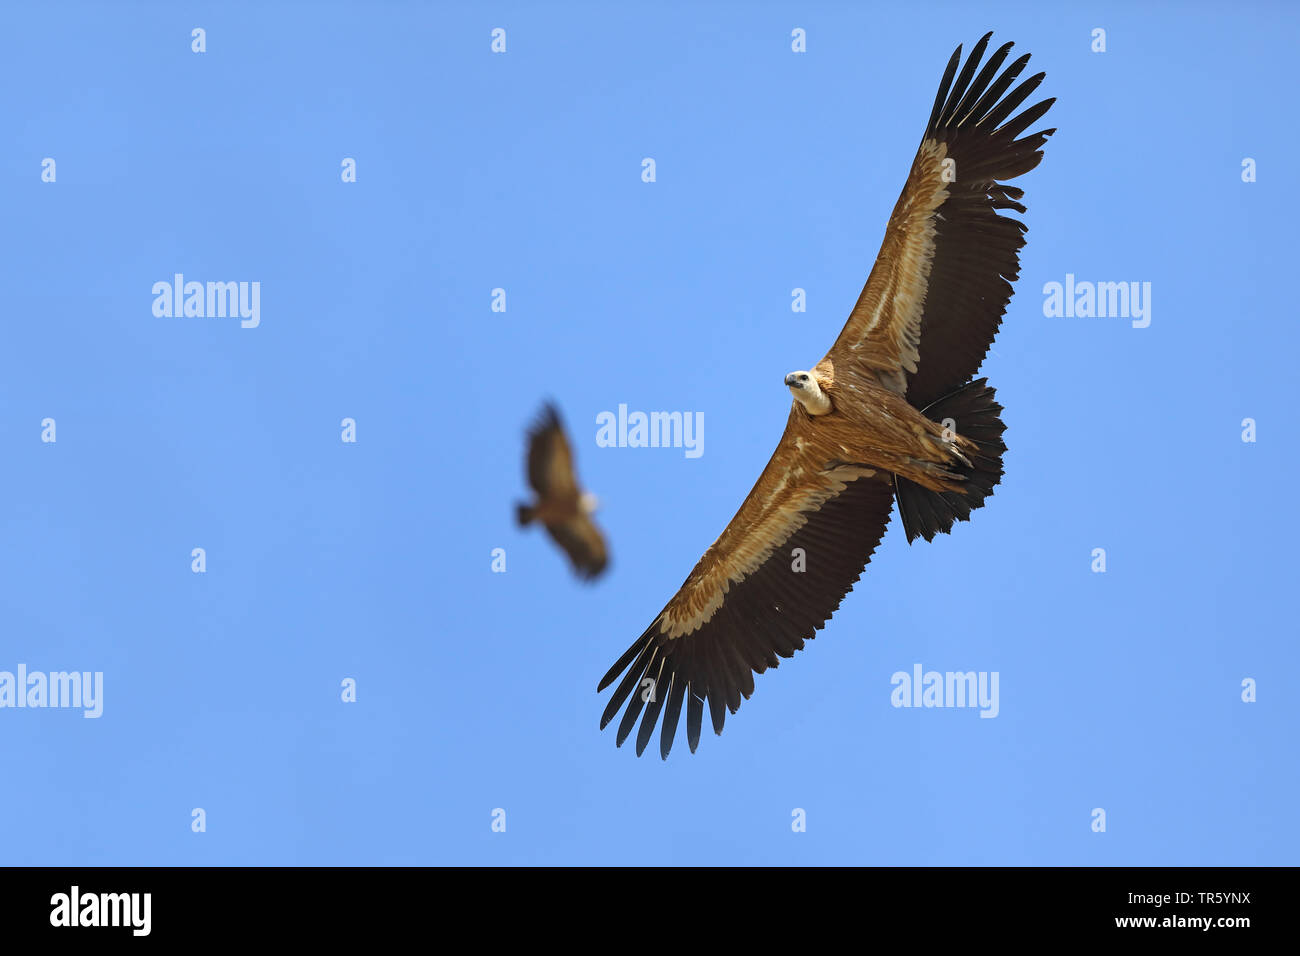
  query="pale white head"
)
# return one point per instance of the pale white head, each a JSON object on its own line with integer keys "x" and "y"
{"x": 808, "y": 392}
{"x": 588, "y": 503}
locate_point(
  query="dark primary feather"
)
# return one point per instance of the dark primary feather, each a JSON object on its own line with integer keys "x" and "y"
{"x": 767, "y": 616}
{"x": 977, "y": 250}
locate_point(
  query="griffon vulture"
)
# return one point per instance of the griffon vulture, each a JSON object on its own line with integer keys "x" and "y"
{"x": 890, "y": 413}
{"x": 562, "y": 507}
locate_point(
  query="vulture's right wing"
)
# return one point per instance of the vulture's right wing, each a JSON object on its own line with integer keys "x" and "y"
{"x": 749, "y": 600}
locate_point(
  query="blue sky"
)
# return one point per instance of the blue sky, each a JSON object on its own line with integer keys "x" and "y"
{"x": 371, "y": 560}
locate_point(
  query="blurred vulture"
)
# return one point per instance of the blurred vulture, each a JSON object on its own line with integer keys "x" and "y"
{"x": 562, "y": 507}
{"x": 891, "y": 413}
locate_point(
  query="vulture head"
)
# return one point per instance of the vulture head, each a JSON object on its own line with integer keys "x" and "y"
{"x": 808, "y": 392}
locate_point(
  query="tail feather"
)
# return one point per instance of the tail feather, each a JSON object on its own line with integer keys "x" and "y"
{"x": 977, "y": 418}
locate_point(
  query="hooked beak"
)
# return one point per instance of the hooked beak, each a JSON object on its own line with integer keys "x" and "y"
{"x": 792, "y": 381}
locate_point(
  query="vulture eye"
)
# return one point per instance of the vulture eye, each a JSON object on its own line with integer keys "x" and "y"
{"x": 803, "y": 378}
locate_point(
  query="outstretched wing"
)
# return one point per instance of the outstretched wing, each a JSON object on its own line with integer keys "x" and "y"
{"x": 749, "y": 602}
{"x": 583, "y": 543}
{"x": 942, "y": 280}
{"x": 550, "y": 462}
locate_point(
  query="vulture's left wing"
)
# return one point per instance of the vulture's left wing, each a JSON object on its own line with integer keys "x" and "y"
{"x": 751, "y": 599}
{"x": 942, "y": 280}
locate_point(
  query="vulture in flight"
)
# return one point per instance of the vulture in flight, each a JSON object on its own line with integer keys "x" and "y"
{"x": 891, "y": 413}
{"x": 562, "y": 507}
